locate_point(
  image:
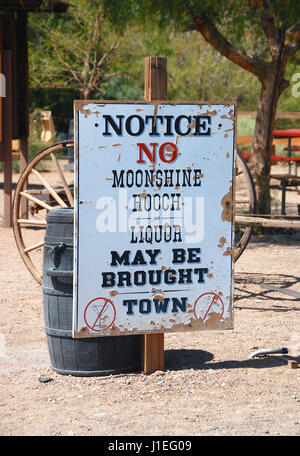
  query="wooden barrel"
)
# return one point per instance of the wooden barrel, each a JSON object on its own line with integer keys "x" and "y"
{"x": 92, "y": 356}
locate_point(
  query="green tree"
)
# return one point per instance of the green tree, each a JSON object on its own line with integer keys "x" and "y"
{"x": 77, "y": 49}
{"x": 196, "y": 71}
{"x": 260, "y": 36}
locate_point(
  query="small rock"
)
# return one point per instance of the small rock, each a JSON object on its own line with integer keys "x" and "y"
{"x": 45, "y": 379}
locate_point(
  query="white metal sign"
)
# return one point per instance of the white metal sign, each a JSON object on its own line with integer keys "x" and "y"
{"x": 153, "y": 217}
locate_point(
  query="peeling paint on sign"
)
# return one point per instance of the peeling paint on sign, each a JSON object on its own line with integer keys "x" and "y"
{"x": 153, "y": 222}
{"x": 227, "y": 204}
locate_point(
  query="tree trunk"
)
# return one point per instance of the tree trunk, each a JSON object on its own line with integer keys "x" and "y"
{"x": 261, "y": 152}
{"x": 85, "y": 93}
{"x": 260, "y": 157}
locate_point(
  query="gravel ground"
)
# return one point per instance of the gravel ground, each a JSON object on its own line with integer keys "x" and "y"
{"x": 209, "y": 386}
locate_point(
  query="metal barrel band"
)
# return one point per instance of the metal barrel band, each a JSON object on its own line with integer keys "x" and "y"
{"x": 53, "y": 272}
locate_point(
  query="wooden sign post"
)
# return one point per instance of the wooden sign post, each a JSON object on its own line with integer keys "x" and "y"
{"x": 155, "y": 89}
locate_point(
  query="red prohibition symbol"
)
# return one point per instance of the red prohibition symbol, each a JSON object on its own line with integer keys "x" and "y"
{"x": 97, "y": 309}
{"x": 209, "y": 299}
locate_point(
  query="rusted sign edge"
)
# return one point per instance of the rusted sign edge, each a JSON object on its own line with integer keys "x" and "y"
{"x": 75, "y": 264}
{"x": 233, "y": 189}
{"x": 79, "y": 104}
{"x": 212, "y": 323}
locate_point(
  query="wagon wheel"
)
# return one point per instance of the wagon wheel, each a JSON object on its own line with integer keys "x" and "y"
{"x": 34, "y": 187}
{"x": 41, "y": 191}
{"x": 245, "y": 203}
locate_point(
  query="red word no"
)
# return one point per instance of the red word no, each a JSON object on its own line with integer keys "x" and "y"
{"x": 167, "y": 152}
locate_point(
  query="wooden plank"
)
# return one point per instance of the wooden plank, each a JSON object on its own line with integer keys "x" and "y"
{"x": 155, "y": 78}
{"x": 23, "y": 157}
{"x": 287, "y": 115}
{"x": 279, "y": 115}
{"x": 155, "y": 89}
{"x": 22, "y": 79}
{"x": 267, "y": 223}
{"x": 153, "y": 353}
{"x": 14, "y": 65}
{"x": 7, "y": 139}
{"x": 22, "y": 96}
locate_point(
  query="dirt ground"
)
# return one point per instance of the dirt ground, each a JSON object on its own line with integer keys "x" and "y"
{"x": 209, "y": 387}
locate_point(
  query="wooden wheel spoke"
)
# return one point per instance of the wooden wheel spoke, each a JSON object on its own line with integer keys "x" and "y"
{"x": 63, "y": 180}
{"x": 32, "y": 222}
{"x": 36, "y": 200}
{"x": 49, "y": 188}
{"x": 34, "y": 247}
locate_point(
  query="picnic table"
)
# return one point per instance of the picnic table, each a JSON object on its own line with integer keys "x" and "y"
{"x": 289, "y": 134}
{"x": 289, "y": 179}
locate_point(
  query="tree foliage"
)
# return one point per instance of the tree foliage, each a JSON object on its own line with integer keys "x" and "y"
{"x": 245, "y": 31}
{"x": 77, "y": 50}
{"x": 62, "y": 49}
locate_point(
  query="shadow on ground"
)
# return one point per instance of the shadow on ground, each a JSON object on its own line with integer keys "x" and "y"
{"x": 203, "y": 360}
{"x": 250, "y": 286}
